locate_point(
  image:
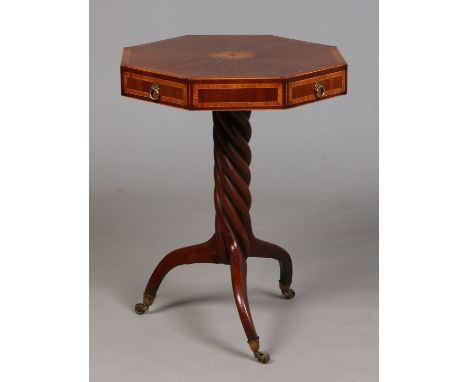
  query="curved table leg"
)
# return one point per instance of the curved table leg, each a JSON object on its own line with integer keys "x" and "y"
{"x": 239, "y": 287}
{"x": 265, "y": 249}
{"x": 199, "y": 253}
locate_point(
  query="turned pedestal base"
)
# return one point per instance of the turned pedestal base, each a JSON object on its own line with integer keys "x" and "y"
{"x": 233, "y": 241}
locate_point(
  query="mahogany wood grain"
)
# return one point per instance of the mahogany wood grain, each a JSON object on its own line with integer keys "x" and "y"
{"x": 232, "y": 72}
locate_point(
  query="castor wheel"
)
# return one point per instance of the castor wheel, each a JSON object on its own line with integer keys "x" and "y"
{"x": 288, "y": 293}
{"x": 262, "y": 356}
{"x": 141, "y": 308}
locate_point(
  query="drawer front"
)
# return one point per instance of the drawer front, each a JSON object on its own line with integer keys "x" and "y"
{"x": 304, "y": 91}
{"x": 170, "y": 92}
{"x": 255, "y": 95}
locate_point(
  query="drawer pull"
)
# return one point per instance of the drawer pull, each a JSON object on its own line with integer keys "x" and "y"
{"x": 154, "y": 92}
{"x": 319, "y": 90}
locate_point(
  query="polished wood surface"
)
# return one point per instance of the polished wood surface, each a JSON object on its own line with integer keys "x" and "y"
{"x": 229, "y": 72}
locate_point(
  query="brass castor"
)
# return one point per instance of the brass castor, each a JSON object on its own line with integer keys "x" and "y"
{"x": 141, "y": 308}
{"x": 288, "y": 293}
{"x": 262, "y": 356}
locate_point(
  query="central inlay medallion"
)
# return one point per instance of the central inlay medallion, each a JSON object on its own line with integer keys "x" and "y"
{"x": 232, "y": 54}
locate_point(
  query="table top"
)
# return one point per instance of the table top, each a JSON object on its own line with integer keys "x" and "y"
{"x": 232, "y": 72}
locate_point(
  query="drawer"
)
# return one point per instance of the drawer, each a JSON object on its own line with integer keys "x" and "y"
{"x": 315, "y": 88}
{"x": 162, "y": 90}
{"x": 247, "y": 95}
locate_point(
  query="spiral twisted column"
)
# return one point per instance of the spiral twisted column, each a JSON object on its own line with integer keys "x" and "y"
{"x": 231, "y": 134}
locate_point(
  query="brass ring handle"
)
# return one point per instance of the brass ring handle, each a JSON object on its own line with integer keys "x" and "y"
{"x": 154, "y": 92}
{"x": 319, "y": 90}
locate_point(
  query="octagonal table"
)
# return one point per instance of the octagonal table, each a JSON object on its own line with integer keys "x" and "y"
{"x": 231, "y": 75}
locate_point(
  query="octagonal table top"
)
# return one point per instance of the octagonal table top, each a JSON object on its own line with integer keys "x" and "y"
{"x": 229, "y": 72}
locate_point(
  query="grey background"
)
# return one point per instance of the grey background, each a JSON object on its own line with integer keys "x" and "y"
{"x": 315, "y": 192}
